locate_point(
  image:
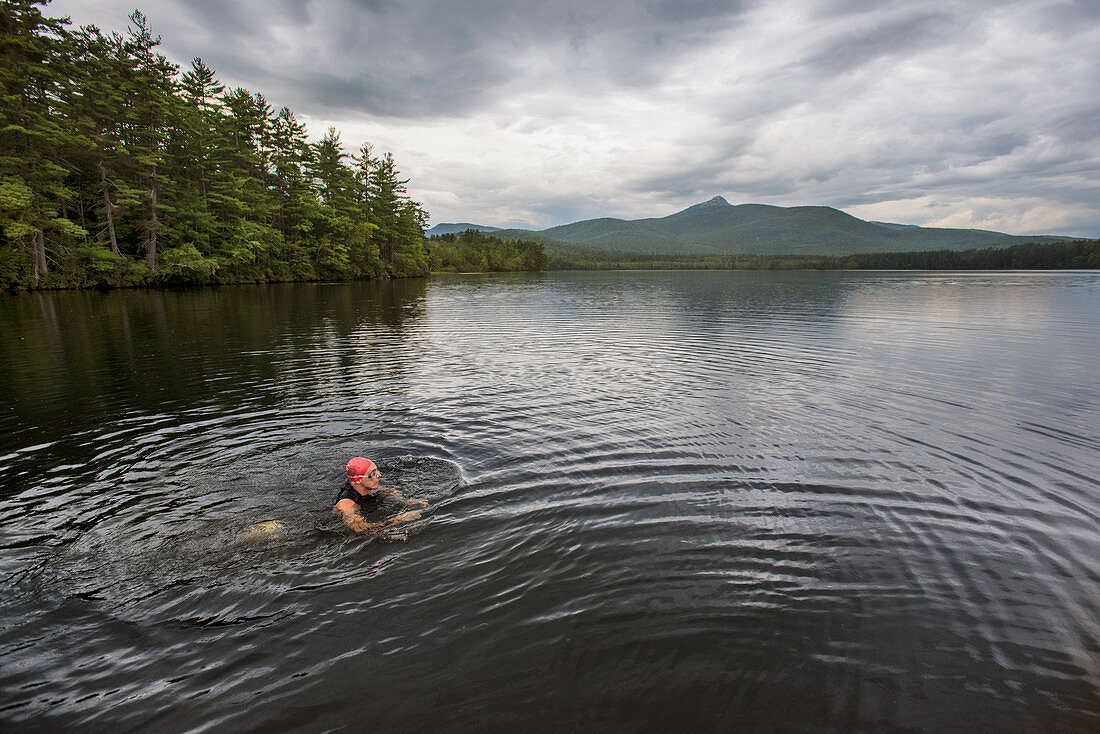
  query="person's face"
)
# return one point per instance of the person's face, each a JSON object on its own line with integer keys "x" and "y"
{"x": 369, "y": 481}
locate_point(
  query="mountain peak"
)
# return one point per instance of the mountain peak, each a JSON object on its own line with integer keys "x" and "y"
{"x": 717, "y": 202}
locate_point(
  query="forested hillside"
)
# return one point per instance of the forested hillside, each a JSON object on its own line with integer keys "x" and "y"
{"x": 117, "y": 169}
{"x": 1070, "y": 255}
{"x": 718, "y": 228}
{"x": 457, "y": 228}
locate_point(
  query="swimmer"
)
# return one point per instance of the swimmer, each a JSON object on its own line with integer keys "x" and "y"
{"x": 362, "y": 496}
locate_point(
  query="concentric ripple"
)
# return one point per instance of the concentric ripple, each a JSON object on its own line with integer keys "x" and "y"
{"x": 660, "y": 501}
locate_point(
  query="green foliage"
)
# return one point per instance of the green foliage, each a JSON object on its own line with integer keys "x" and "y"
{"x": 118, "y": 170}
{"x": 185, "y": 264}
{"x": 1079, "y": 254}
{"x": 472, "y": 251}
{"x": 14, "y": 196}
{"x": 15, "y": 267}
{"x": 717, "y": 228}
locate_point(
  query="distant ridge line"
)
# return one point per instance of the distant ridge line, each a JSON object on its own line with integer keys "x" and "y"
{"x": 716, "y": 227}
{"x": 456, "y": 227}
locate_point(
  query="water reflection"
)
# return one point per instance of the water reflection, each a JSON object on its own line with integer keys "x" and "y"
{"x": 76, "y": 361}
{"x": 770, "y": 501}
{"x": 157, "y": 347}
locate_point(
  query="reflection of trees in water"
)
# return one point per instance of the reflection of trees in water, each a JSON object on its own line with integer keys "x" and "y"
{"x": 722, "y": 299}
{"x": 707, "y": 301}
{"x": 350, "y": 337}
{"x": 74, "y": 362}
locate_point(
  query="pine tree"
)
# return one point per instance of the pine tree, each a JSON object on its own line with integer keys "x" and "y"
{"x": 334, "y": 185}
{"x": 399, "y": 220}
{"x": 291, "y": 154}
{"x": 98, "y": 70}
{"x": 386, "y": 191}
{"x": 199, "y": 118}
{"x": 116, "y": 170}
{"x": 32, "y": 183}
{"x": 248, "y": 236}
{"x": 151, "y": 92}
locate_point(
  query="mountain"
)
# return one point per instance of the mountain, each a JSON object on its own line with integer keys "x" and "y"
{"x": 716, "y": 227}
{"x": 452, "y": 228}
{"x": 891, "y": 225}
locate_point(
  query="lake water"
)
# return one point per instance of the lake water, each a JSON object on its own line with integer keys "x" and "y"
{"x": 660, "y": 501}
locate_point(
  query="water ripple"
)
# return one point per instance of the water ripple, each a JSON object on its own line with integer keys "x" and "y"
{"x": 713, "y": 501}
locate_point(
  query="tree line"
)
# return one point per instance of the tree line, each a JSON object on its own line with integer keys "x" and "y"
{"x": 1078, "y": 254}
{"x": 475, "y": 252}
{"x": 1070, "y": 255}
{"x": 116, "y": 169}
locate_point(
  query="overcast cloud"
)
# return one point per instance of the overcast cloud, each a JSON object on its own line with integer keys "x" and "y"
{"x": 959, "y": 113}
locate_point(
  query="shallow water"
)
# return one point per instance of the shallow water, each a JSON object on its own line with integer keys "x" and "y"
{"x": 659, "y": 501}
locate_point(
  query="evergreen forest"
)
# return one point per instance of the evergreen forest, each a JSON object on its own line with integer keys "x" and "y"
{"x": 476, "y": 252}
{"x": 1071, "y": 255}
{"x": 117, "y": 169}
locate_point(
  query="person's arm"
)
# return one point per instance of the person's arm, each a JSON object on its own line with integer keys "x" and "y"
{"x": 406, "y": 516}
{"x": 351, "y": 517}
{"x": 409, "y": 501}
{"x": 359, "y": 524}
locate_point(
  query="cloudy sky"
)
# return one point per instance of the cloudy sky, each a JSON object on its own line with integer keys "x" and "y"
{"x": 958, "y": 113}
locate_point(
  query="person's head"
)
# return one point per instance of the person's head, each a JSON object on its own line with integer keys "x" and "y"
{"x": 363, "y": 473}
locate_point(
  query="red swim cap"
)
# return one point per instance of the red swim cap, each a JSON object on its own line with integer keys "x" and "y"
{"x": 359, "y": 467}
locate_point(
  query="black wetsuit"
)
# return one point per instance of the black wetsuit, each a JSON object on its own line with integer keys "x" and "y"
{"x": 373, "y": 506}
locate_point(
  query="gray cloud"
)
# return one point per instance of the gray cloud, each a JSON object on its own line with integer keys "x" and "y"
{"x": 890, "y": 38}
{"x": 433, "y": 57}
{"x": 546, "y": 112}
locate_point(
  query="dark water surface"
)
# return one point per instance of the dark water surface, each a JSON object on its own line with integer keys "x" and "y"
{"x": 660, "y": 502}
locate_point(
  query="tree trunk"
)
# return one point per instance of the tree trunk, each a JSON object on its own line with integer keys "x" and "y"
{"x": 38, "y": 254}
{"x": 109, "y": 207}
{"x": 151, "y": 224}
{"x": 202, "y": 180}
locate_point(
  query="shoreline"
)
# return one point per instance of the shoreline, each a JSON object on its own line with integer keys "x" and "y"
{"x": 202, "y": 286}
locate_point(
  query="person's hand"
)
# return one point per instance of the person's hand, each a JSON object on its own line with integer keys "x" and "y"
{"x": 357, "y": 523}
{"x": 406, "y": 516}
